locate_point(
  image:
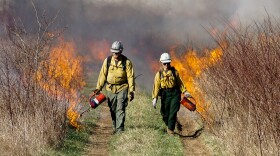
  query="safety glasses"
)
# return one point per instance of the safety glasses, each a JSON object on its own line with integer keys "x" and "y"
{"x": 165, "y": 64}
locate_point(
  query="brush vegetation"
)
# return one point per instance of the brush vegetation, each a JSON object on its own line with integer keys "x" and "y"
{"x": 243, "y": 89}
{"x": 30, "y": 119}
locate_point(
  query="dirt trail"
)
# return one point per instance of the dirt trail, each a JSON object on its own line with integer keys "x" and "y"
{"x": 191, "y": 124}
{"x": 194, "y": 147}
{"x": 99, "y": 140}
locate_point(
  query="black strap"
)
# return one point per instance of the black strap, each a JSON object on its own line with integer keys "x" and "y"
{"x": 124, "y": 58}
{"x": 109, "y": 58}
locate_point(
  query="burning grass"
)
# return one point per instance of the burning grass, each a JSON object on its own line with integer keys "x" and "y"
{"x": 237, "y": 87}
{"x": 31, "y": 120}
{"x": 37, "y": 84}
{"x": 61, "y": 76}
{"x": 190, "y": 67}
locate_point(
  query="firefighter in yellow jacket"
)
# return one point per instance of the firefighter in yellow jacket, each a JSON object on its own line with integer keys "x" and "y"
{"x": 118, "y": 75}
{"x": 169, "y": 86}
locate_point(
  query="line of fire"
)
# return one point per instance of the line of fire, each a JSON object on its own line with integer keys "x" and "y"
{"x": 65, "y": 67}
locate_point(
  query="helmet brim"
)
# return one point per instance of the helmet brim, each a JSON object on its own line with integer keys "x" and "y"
{"x": 165, "y": 61}
{"x": 115, "y": 51}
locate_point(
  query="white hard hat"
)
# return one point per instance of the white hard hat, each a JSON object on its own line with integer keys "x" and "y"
{"x": 117, "y": 47}
{"x": 165, "y": 58}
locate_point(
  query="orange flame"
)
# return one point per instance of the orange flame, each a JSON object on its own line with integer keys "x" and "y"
{"x": 61, "y": 76}
{"x": 190, "y": 66}
{"x": 72, "y": 115}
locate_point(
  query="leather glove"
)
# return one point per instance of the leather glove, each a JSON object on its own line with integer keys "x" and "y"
{"x": 187, "y": 94}
{"x": 155, "y": 103}
{"x": 131, "y": 96}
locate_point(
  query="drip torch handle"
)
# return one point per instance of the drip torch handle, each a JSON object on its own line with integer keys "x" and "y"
{"x": 96, "y": 91}
{"x": 85, "y": 111}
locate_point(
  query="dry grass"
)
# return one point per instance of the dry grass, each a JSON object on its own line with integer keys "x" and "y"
{"x": 31, "y": 120}
{"x": 243, "y": 89}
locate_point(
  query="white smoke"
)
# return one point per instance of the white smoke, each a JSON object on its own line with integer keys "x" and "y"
{"x": 163, "y": 21}
{"x": 186, "y": 19}
{"x": 179, "y": 20}
{"x": 249, "y": 10}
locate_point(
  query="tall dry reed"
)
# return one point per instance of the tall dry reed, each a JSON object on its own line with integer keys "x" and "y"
{"x": 244, "y": 89}
{"x": 31, "y": 120}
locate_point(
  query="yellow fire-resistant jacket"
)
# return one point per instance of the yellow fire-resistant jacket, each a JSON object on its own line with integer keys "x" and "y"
{"x": 167, "y": 81}
{"x": 117, "y": 79}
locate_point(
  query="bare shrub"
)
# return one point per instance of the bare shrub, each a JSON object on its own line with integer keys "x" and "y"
{"x": 243, "y": 89}
{"x": 31, "y": 120}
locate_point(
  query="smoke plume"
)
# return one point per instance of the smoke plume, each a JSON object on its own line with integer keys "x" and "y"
{"x": 146, "y": 28}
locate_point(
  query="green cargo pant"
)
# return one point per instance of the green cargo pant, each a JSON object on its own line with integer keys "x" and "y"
{"x": 170, "y": 105}
{"x": 117, "y": 103}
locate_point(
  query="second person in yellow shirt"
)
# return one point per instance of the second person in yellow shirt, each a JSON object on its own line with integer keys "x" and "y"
{"x": 169, "y": 86}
